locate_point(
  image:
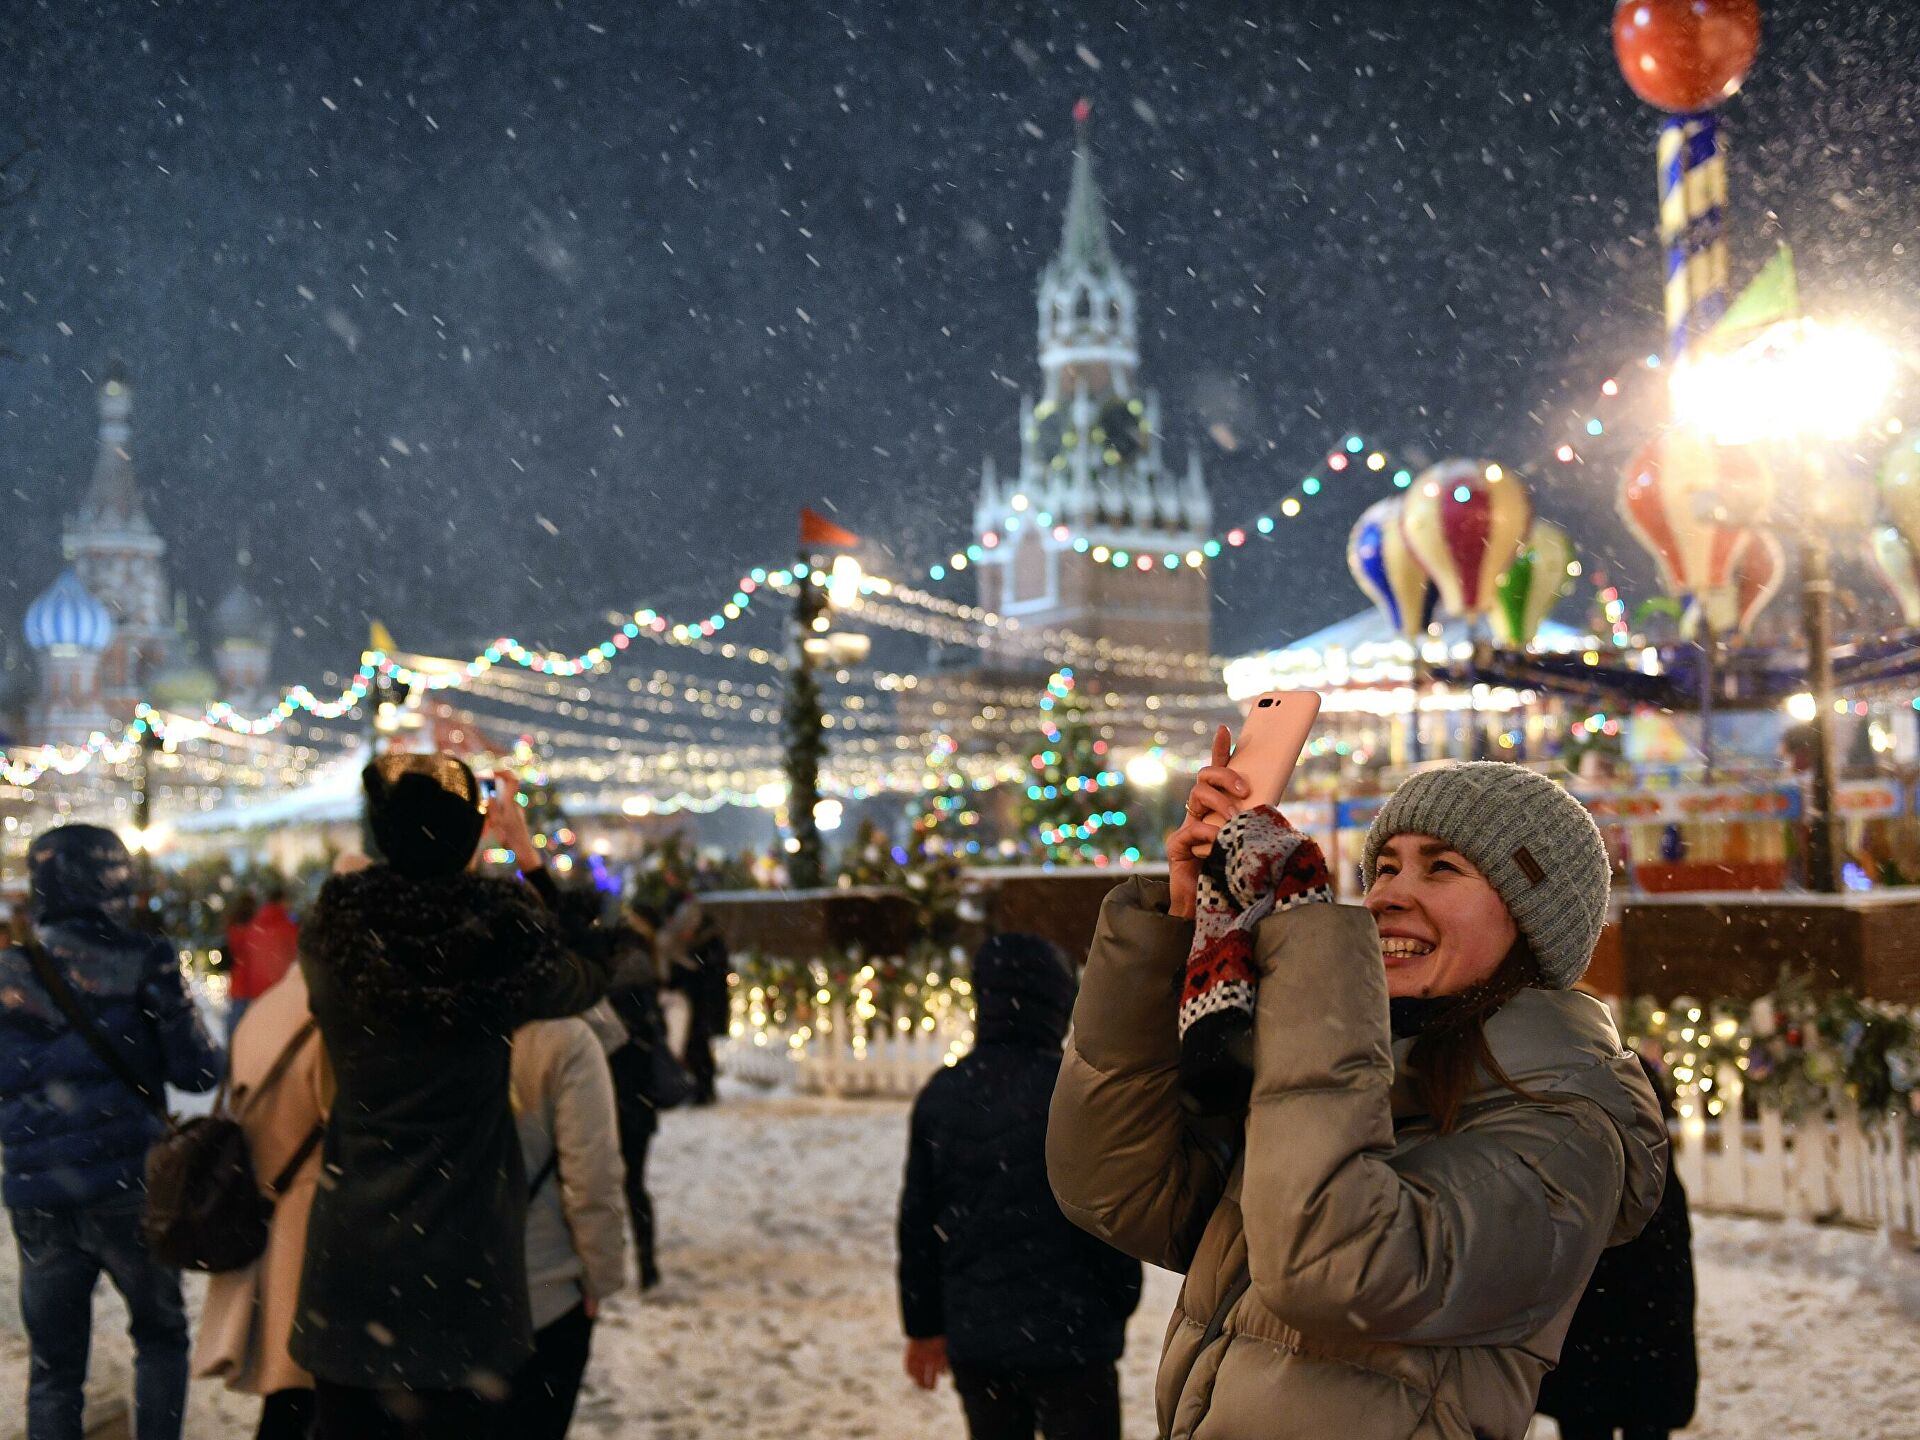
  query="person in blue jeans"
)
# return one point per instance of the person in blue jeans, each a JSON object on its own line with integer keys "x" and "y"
{"x": 74, "y": 1134}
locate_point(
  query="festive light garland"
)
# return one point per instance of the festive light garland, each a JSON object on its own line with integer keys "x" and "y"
{"x": 1353, "y": 454}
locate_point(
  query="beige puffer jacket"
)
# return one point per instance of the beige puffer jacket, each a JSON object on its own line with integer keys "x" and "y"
{"x": 577, "y": 1217}
{"x": 1350, "y": 1272}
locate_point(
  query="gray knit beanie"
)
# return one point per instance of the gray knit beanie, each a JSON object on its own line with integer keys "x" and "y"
{"x": 1535, "y": 843}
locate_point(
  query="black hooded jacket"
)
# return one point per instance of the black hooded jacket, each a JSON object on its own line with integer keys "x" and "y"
{"x": 986, "y": 1258}
{"x": 1629, "y": 1358}
{"x": 416, "y": 1252}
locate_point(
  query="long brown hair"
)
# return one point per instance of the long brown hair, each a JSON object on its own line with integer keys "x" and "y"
{"x": 1453, "y": 1050}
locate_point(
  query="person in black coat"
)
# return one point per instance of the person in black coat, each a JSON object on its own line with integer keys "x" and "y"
{"x": 413, "y": 1310}
{"x": 1629, "y": 1362}
{"x": 1028, "y": 1310}
{"x": 646, "y": 1077}
{"x": 699, "y": 967}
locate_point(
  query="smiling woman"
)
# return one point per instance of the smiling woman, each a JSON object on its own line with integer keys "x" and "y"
{"x": 1436, "y": 1138}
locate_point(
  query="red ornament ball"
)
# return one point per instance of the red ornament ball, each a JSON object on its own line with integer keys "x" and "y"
{"x": 1685, "y": 55}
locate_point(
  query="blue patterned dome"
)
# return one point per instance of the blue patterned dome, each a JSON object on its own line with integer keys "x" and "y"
{"x": 67, "y": 614}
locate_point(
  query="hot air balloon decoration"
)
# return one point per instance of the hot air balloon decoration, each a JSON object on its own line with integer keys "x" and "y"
{"x": 1464, "y": 521}
{"x": 1894, "y": 558}
{"x": 1759, "y": 566}
{"x": 1643, "y": 508}
{"x": 1385, "y": 569}
{"x": 1536, "y": 581}
{"x": 1680, "y": 498}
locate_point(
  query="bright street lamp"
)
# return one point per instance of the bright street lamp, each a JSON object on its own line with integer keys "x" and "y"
{"x": 1798, "y": 387}
{"x": 1798, "y": 381}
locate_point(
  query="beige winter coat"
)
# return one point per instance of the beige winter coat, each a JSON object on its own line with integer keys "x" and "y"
{"x": 577, "y": 1219}
{"x": 1349, "y": 1272}
{"x": 248, "y": 1317}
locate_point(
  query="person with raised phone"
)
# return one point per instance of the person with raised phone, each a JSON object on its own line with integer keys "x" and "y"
{"x": 414, "y": 1310}
{"x": 1385, "y": 1143}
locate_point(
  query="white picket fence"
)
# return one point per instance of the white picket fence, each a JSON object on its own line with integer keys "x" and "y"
{"x": 1835, "y": 1166}
{"x": 1832, "y": 1166}
{"x": 843, "y": 1055}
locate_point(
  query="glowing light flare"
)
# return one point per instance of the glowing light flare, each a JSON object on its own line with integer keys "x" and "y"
{"x": 1799, "y": 379}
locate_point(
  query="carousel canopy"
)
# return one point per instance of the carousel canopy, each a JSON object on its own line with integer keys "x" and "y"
{"x": 1365, "y": 652}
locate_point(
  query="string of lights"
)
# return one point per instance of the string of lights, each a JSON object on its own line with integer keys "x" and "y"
{"x": 1020, "y": 513}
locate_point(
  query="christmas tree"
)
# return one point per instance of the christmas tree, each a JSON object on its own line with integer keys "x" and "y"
{"x": 946, "y": 815}
{"x": 1075, "y": 807}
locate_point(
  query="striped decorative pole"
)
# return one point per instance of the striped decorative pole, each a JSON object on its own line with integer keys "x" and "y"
{"x": 1693, "y": 210}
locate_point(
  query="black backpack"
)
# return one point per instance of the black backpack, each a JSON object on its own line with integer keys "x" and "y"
{"x": 205, "y": 1209}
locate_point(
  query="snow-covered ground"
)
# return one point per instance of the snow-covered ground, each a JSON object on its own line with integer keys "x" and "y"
{"x": 778, "y": 1316}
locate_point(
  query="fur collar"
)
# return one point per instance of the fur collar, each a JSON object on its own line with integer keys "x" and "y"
{"x": 455, "y": 949}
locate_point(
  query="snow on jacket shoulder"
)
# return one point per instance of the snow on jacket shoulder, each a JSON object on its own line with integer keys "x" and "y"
{"x": 1346, "y": 1265}
{"x": 577, "y": 1218}
{"x": 72, "y": 1132}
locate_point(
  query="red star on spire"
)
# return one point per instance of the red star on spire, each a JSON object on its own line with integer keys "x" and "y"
{"x": 1081, "y": 110}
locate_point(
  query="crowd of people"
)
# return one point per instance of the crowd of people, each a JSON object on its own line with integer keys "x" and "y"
{"x": 447, "y": 1102}
{"x": 1404, "y": 1165}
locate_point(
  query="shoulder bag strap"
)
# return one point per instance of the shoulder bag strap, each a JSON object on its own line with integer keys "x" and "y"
{"x": 279, "y": 1067}
{"x": 546, "y": 1173}
{"x": 86, "y": 1027}
{"x": 292, "y": 1168}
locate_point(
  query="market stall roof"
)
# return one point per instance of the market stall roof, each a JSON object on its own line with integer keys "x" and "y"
{"x": 332, "y": 797}
{"x": 1365, "y": 652}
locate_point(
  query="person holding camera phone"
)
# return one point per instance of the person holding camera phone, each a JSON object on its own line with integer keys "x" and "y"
{"x": 414, "y": 1311}
{"x": 1386, "y": 1143}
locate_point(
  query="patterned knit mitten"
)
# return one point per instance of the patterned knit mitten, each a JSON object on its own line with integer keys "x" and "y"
{"x": 1259, "y": 864}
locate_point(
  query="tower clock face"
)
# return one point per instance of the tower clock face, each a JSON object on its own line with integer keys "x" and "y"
{"x": 1123, "y": 431}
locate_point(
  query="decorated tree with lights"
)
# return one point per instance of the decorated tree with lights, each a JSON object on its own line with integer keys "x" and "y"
{"x": 945, "y": 816}
{"x": 1075, "y": 808}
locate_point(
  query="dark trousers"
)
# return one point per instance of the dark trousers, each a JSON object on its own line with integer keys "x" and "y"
{"x": 348, "y": 1412}
{"x": 706, "y": 1022}
{"x": 62, "y": 1255}
{"x": 1588, "y": 1430}
{"x": 286, "y": 1415}
{"x": 544, "y": 1390}
{"x": 632, "y": 1070}
{"x": 1079, "y": 1404}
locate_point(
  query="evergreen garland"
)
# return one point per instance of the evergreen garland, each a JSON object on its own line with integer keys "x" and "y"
{"x": 805, "y": 737}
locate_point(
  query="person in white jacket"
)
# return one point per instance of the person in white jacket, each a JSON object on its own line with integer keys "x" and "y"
{"x": 576, "y": 1213}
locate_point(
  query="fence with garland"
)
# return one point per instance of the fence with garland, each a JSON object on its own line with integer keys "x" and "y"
{"x": 1790, "y": 1108}
{"x": 851, "y": 1028}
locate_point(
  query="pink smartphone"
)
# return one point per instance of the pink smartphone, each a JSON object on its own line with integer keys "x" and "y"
{"x": 1271, "y": 739}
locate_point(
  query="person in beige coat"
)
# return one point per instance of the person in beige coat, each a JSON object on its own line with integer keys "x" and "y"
{"x": 1434, "y": 1138}
{"x": 576, "y": 1209}
{"x": 248, "y": 1317}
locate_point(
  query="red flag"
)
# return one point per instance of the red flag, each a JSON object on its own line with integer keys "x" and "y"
{"x": 819, "y": 533}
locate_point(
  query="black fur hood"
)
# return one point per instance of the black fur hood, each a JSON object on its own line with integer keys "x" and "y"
{"x": 454, "y": 949}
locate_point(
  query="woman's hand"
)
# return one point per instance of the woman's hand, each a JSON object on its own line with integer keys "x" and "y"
{"x": 507, "y": 821}
{"x": 1215, "y": 799}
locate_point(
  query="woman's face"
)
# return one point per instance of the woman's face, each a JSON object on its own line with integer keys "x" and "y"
{"x": 1443, "y": 928}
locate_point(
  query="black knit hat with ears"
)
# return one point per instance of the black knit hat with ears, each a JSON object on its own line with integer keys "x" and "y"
{"x": 425, "y": 813}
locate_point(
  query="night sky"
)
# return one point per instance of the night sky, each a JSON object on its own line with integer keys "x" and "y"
{"x": 484, "y": 317}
